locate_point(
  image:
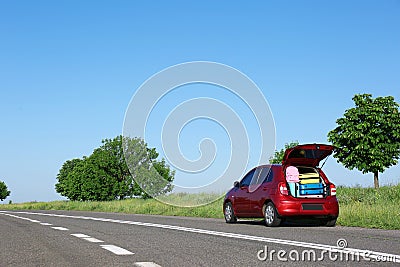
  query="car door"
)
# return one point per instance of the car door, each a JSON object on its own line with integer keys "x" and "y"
{"x": 259, "y": 189}
{"x": 242, "y": 194}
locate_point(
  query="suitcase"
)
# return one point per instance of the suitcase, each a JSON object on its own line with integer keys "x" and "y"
{"x": 311, "y": 191}
{"x": 309, "y": 181}
{"x": 311, "y": 186}
{"x": 309, "y": 175}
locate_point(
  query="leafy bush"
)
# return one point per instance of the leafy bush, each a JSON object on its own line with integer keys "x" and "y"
{"x": 122, "y": 167}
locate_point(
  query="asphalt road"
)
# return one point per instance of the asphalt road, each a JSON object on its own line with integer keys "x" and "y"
{"x": 66, "y": 238}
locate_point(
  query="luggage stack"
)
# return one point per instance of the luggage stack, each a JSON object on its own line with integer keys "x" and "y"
{"x": 310, "y": 186}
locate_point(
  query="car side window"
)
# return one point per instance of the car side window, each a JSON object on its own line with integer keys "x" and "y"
{"x": 268, "y": 175}
{"x": 247, "y": 179}
{"x": 259, "y": 176}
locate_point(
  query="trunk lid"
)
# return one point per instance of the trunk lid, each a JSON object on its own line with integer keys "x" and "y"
{"x": 306, "y": 155}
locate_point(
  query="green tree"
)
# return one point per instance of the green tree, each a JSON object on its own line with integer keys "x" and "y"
{"x": 63, "y": 185}
{"x": 110, "y": 160}
{"x": 105, "y": 175}
{"x": 368, "y": 136}
{"x": 4, "y": 193}
{"x": 279, "y": 154}
{"x": 151, "y": 177}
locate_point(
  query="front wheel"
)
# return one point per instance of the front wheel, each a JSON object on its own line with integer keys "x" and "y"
{"x": 229, "y": 214}
{"x": 271, "y": 215}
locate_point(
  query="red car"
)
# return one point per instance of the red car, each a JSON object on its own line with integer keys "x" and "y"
{"x": 297, "y": 188}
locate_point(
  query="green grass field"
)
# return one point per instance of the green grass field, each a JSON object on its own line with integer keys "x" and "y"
{"x": 362, "y": 207}
{"x": 367, "y": 207}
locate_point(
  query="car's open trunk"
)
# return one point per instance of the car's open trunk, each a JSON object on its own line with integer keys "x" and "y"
{"x": 310, "y": 184}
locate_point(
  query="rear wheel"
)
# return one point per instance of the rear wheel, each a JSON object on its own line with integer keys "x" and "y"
{"x": 271, "y": 215}
{"x": 331, "y": 223}
{"x": 229, "y": 214}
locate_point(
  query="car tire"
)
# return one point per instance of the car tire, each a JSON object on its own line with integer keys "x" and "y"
{"x": 271, "y": 215}
{"x": 229, "y": 214}
{"x": 331, "y": 222}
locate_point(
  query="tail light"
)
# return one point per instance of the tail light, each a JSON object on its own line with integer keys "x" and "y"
{"x": 332, "y": 188}
{"x": 283, "y": 189}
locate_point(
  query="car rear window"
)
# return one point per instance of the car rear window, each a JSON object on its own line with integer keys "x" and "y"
{"x": 309, "y": 153}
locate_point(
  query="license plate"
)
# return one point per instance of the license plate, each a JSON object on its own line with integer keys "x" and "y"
{"x": 312, "y": 207}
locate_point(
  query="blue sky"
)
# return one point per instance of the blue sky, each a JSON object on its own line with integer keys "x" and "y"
{"x": 68, "y": 70}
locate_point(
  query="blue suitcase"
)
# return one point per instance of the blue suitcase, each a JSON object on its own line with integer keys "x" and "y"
{"x": 311, "y": 186}
{"x": 311, "y": 191}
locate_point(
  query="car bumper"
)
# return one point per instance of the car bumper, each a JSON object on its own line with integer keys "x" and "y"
{"x": 312, "y": 207}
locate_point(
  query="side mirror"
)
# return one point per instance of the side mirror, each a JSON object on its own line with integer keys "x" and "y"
{"x": 236, "y": 184}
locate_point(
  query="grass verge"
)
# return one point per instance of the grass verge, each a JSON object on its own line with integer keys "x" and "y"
{"x": 132, "y": 206}
{"x": 369, "y": 207}
{"x": 362, "y": 207}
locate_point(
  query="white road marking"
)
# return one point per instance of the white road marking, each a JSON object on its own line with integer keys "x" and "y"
{"x": 93, "y": 240}
{"x": 60, "y": 228}
{"x": 146, "y": 264}
{"x": 117, "y": 250}
{"x": 367, "y": 254}
{"x": 114, "y": 249}
{"x": 80, "y": 235}
{"x": 22, "y": 218}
